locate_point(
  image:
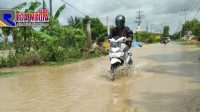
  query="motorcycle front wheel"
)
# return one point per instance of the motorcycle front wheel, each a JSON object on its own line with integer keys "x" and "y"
{"x": 113, "y": 70}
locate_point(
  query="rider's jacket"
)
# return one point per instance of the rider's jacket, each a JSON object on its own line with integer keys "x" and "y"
{"x": 124, "y": 32}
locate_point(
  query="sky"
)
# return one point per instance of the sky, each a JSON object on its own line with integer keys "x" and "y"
{"x": 157, "y": 13}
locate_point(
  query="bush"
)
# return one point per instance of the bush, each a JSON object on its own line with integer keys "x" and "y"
{"x": 151, "y": 40}
{"x": 192, "y": 42}
{"x": 30, "y": 58}
{"x": 9, "y": 61}
{"x": 96, "y": 53}
{"x": 147, "y": 37}
{"x": 73, "y": 53}
{"x": 52, "y": 53}
{"x": 3, "y": 62}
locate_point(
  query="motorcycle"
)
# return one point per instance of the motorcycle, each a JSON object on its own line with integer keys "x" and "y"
{"x": 120, "y": 55}
{"x": 165, "y": 41}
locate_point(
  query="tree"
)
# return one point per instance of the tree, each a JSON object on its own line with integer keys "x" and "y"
{"x": 75, "y": 22}
{"x": 22, "y": 36}
{"x": 176, "y": 36}
{"x": 4, "y": 36}
{"x": 166, "y": 31}
{"x": 53, "y": 23}
{"x": 27, "y": 31}
{"x": 15, "y": 30}
{"x": 98, "y": 30}
{"x": 193, "y": 25}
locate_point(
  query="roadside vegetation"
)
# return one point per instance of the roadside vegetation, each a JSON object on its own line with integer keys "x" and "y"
{"x": 55, "y": 43}
{"x": 147, "y": 37}
{"x": 150, "y": 37}
{"x": 190, "y": 33}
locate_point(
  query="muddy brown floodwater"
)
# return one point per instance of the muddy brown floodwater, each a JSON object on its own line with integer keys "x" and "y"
{"x": 163, "y": 79}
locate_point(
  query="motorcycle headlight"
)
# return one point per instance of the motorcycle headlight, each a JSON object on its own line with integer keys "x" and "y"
{"x": 115, "y": 50}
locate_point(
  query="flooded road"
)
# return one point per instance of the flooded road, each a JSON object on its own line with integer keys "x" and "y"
{"x": 164, "y": 79}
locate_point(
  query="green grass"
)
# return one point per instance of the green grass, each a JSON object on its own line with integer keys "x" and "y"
{"x": 69, "y": 61}
{"x": 182, "y": 42}
{"x": 198, "y": 44}
{"x": 9, "y": 74}
{"x": 58, "y": 63}
{"x": 14, "y": 73}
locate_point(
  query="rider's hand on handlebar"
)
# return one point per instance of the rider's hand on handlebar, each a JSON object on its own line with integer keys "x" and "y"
{"x": 129, "y": 39}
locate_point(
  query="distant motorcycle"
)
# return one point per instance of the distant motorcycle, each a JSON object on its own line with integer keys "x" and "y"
{"x": 165, "y": 40}
{"x": 120, "y": 55}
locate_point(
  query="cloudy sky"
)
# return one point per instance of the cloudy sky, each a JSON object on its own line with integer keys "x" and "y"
{"x": 157, "y": 13}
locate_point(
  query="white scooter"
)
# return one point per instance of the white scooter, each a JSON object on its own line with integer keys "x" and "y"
{"x": 120, "y": 55}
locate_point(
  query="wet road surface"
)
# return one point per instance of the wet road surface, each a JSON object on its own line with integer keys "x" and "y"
{"x": 163, "y": 79}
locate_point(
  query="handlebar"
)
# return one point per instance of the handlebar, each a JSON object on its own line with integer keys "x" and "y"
{"x": 119, "y": 40}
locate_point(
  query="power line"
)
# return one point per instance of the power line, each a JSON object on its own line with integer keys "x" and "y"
{"x": 189, "y": 6}
{"x": 113, "y": 3}
{"x": 192, "y": 11}
{"x": 109, "y": 5}
{"x": 74, "y": 8}
{"x": 197, "y": 13}
{"x": 196, "y": 8}
{"x": 121, "y": 2}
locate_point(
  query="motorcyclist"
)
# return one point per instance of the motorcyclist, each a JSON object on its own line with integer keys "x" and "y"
{"x": 122, "y": 31}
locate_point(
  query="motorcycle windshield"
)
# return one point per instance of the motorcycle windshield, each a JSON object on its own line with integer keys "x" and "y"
{"x": 115, "y": 45}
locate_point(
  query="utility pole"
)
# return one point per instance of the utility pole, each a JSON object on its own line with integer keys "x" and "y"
{"x": 50, "y": 5}
{"x": 108, "y": 26}
{"x": 139, "y": 19}
{"x": 147, "y": 27}
{"x": 44, "y": 4}
{"x": 88, "y": 29}
{"x": 180, "y": 31}
{"x": 151, "y": 27}
{"x": 184, "y": 12}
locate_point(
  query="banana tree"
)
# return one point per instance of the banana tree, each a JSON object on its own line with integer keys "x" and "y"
{"x": 15, "y": 30}
{"x": 8, "y": 30}
{"x": 53, "y": 23}
{"x": 22, "y": 36}
{"x": 28, "y": 30}
{"x": 4, "y": 38}
{"x": 17, "y": 9}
